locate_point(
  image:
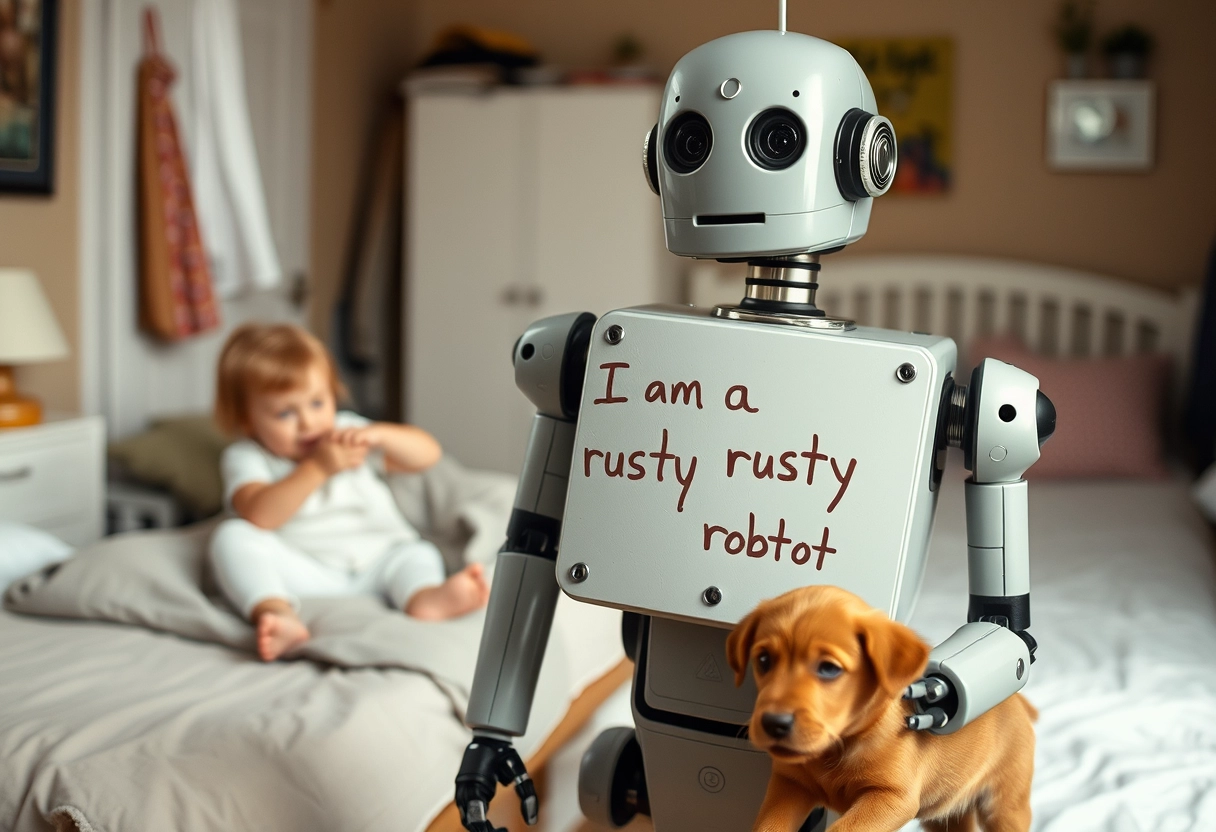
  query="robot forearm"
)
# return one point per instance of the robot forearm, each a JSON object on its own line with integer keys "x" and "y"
{"x": 998, "y": 553}
{"x": 525, "y": 591}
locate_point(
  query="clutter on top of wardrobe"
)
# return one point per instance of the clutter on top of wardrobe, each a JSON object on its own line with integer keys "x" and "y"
{"x": 472, "y": 58}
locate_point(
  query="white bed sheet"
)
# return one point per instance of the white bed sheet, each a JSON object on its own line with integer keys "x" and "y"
{"x": 1123, "y": 605}
{"x": 1124, "y": 610}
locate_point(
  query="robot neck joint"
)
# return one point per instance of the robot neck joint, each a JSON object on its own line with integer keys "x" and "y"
{"x": 783, "y": 284}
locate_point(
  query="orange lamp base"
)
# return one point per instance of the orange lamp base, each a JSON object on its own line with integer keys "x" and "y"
{"x": 16, "y": 411}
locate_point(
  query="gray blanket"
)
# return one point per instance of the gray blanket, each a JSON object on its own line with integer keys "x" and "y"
{"x": 174, "y": 724}
{"x": 161, "y": 581}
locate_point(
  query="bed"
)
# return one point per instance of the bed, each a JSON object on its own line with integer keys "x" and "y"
{"x": 1124, "y": 606}
{"x": 131, "y": 698}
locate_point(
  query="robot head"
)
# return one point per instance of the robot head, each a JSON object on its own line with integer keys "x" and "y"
{"x": 767, "y": 144}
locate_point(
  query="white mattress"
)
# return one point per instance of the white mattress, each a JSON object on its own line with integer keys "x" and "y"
{"x": 1124, "y": 610}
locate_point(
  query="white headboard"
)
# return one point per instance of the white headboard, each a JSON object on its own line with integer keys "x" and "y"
{"x": 1057, "y": 311}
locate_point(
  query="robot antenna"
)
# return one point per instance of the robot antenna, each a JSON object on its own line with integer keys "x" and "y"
{"x": 781, "y": 16}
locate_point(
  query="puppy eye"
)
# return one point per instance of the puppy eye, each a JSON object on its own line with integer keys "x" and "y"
{"x": 763, "y": 662}
{"x": 828, "y": 670}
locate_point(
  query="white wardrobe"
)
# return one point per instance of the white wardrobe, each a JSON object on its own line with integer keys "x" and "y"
{"x": 521, "y": 203}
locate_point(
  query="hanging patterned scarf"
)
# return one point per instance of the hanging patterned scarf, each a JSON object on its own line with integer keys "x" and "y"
{"x": 176, "y": 299}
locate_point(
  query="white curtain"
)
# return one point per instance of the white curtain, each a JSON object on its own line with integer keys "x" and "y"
{"x": 229, "y": 197}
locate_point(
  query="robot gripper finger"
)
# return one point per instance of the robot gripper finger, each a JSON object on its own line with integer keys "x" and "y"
{"x": 488, "y": 761}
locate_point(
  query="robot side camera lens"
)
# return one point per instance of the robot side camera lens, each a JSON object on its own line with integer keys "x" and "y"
{"x": 776, "y": 139}
{"x": 687, "y": 142}
{"x": 866, "y": 155}
{"x": 878, "y": 156}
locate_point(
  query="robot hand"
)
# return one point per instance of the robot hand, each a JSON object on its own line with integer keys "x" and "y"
{"x": 488, "y": 761}
{"x": 977, "y": 668}
{"x": 925, "y": 695}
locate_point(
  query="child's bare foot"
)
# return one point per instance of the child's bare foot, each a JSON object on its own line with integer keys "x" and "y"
{"x": 462, "y": 593}
{"x": 279, "y": 630}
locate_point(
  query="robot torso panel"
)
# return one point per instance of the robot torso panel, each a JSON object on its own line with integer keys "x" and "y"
{"x": 719, "y": 463}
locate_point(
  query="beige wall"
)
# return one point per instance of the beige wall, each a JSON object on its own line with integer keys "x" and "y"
{"x": 41, "y": 232}
{"x": 362, "y": 50}
{"x": 1155, "y": 228}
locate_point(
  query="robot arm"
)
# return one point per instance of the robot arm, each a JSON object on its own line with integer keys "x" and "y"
{"x": 1000, "y": 422}
{"x": 549, "y": 361}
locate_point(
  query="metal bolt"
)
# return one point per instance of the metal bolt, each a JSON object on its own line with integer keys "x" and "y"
{"x": 905, "y": 373}
{"x": 712, "y": 596}
{"x": 1021, "y": 668}
{"x": 579, "y": 572}
{"x": 614, "y": 334}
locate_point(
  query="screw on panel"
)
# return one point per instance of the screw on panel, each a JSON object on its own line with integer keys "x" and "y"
{"x": 712, "y": 596}
{"x": 905, "y": 373}
{"x": 579, "y": 572}
{"x": 614, "y": 334}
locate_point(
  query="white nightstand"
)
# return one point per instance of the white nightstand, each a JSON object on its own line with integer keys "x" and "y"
{"x": 53, "y": 476}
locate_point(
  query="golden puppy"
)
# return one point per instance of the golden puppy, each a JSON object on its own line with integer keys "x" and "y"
{"x": 830, "y": 672}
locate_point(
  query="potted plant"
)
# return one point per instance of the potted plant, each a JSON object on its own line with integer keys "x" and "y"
{"x": 1074, "y": 32}
{"x": 1127, "y": 49}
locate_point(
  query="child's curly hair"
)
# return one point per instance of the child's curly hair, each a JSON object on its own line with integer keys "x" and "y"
{"x": 265, "y": 358}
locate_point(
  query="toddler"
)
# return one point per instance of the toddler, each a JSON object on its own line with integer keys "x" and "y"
{"x": 313, "y": 515}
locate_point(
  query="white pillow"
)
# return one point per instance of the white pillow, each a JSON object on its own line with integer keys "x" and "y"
{"x": 24, "y": 550}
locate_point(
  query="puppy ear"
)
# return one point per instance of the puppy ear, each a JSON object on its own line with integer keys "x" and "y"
{"x": 897, "y": 654}
{"x": 739, "y": 645}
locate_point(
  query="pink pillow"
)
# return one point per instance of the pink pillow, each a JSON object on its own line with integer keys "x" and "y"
{"x": 1109, "y": 411}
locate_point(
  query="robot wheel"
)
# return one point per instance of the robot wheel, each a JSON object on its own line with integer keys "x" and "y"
{"x": 612, "y": 780}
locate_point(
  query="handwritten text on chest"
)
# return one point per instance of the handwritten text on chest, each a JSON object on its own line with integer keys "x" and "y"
{"x": 668, "y": 456}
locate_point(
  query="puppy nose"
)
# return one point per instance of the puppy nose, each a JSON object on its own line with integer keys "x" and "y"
{"x": 777, "y": 726}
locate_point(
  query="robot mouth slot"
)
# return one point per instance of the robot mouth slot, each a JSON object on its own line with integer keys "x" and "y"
{"x": 728, "y": 219}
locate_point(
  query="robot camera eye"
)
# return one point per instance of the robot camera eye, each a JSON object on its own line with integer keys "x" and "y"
{"x": 687, "y": 142}
{"x": 776, "y": 139}
{"x": 866, "y": 155}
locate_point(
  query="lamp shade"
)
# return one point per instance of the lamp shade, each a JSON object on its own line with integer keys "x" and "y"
{"x": 29, "y": 332}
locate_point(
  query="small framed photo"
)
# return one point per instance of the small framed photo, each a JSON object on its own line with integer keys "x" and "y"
{"x": 27, "y": 95}
{"x": 1100, "y": 125}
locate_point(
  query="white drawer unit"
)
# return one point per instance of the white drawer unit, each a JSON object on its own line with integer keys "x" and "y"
{"x": 53, "y": 476}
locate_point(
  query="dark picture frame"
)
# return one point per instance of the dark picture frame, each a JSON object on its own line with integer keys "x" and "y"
{"x": 28, "y": 49}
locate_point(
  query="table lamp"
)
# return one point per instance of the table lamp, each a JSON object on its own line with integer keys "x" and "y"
{"x": 29, "y": 334}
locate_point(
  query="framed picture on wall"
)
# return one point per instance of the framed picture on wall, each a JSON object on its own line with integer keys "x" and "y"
{"x": 1100, "y": 125}
{"x": 913, "y": 81}
{"x": 27, "y": 95}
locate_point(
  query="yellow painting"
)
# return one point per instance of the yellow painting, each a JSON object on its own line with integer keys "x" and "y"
{"x": 913, "y": 80}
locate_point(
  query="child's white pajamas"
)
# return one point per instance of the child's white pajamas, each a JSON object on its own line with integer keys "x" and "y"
{"x": 348, "y": 538}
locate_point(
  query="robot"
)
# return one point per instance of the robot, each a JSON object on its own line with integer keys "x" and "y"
{"x": 685, "y": 464}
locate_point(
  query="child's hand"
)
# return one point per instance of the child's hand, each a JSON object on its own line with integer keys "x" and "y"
{"x": 340, "y": 451}
{"x": 370, "y": 436}
{"x": 407, "y": 449}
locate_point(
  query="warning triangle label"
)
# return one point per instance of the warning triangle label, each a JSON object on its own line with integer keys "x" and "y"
{"x": 708, "y": 670}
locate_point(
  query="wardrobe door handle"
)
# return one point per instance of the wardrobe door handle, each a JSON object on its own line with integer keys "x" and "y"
{"x": 16, "y": 474}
